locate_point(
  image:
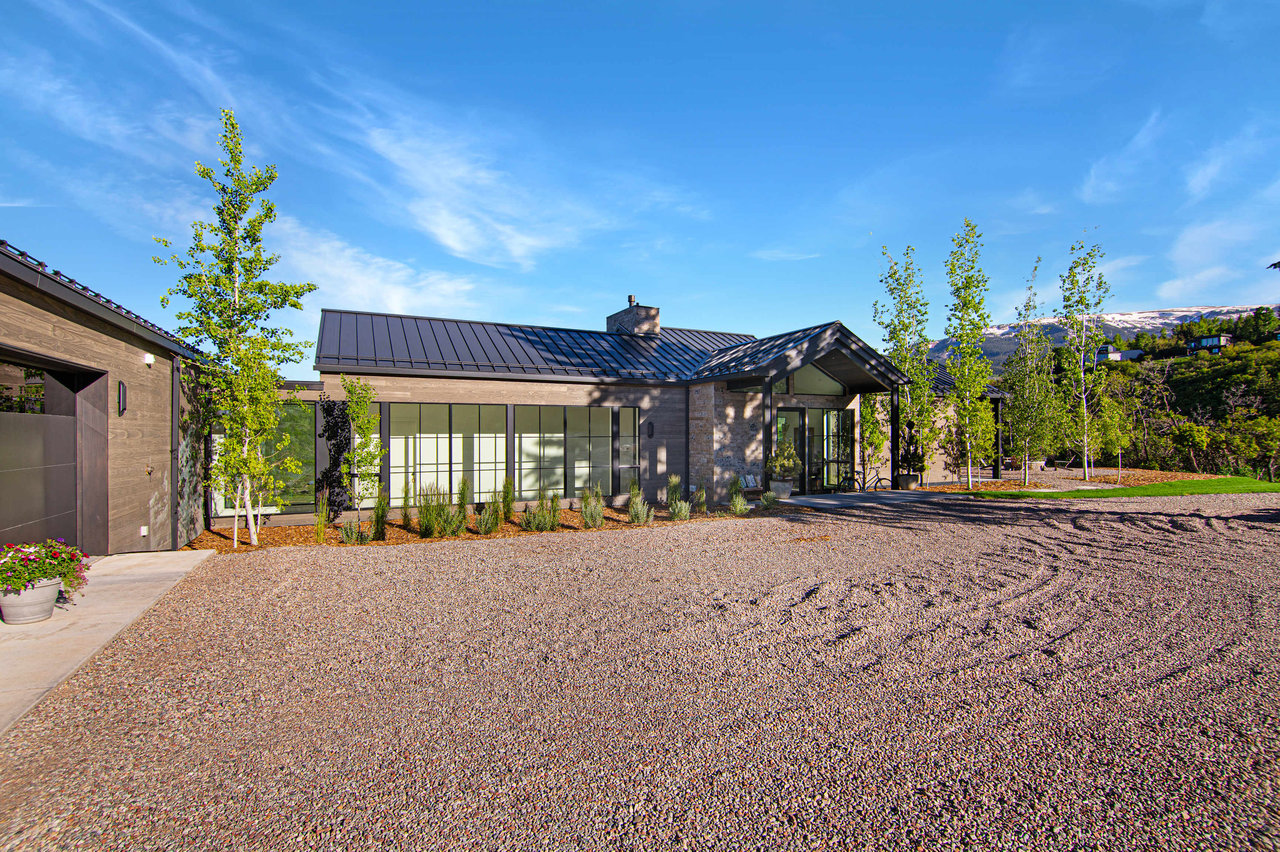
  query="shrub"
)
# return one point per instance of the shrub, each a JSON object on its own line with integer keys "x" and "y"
{"x": 545, "y": 517}
{"x": 455, "y": 521}
{"x": 768, "y": 500}
{"x": 735, "y": 488}
{"x": 490, "y": 518}
{"x": 322, "y": 514}
{"x": 784, "y": 463}
{"x": 381, "y": 507}
{"x": 634, "y": 489}
{"x": 739, "y": 505}
{"x": 680, "y": 510}
{"x": 464, "y": 492}
{"x": 433, "y": 502}
{"x": 407, "y": 501}
{"x": 700, "y": 500}
{"x": 673, "y": 488}
{"x": 508, "y": 499}
{"x": 23, "y": 565}
{"x": 592, "y": 508}
{"x": 353, "y": 533}
{"x": 638, "y": 511}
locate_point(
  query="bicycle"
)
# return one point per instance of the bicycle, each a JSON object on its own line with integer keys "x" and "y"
{"x": 862, "y": 482}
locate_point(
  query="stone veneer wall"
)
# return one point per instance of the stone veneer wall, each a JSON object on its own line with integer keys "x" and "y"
{"x": 726, "y": 432}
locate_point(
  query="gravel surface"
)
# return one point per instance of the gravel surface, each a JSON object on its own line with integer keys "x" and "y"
{"x": 946, "y": 674}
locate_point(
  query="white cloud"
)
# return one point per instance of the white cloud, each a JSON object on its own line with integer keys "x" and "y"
{"x": 1188, "y": 289}
{"x": 1111, "y": 269}
{"x": 459, "y": 197}
{"x": 1221, "y": 159}
{"x": 781, "y": 254}
{"x": 349, "y": 277}
{"x": 1202, "y": 245}
{"x": 1040, "y": 61}
{"x": 1111, "y": 174}
{"x": 1030, "y": 203}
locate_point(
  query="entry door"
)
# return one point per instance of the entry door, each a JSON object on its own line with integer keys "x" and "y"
{"x": 791, "y": 425}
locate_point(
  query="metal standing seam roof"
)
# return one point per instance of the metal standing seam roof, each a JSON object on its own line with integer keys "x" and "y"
{"x": 113, "y": 312}
{"x": 394, "y": 344}
{"x": 943, "y": 383}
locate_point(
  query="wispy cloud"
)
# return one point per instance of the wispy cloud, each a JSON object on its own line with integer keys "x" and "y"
{"x": 348, "y": 276}
{"x": 1030, "y": 203}
{"x": 1112, "y": 269}
{"x": 781, "y": 254}
{"x": 1186, "y": 290}
{"x": 1042, "y": 61}
{"x": 1205, "y": 244}
{"x": 1221, "y": 159}
{"x": 1111, "y": 174}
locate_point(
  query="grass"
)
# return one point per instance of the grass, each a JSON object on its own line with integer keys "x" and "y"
{"x": 1221, "y": 485}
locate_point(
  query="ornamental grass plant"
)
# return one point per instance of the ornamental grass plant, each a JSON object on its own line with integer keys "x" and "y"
{"x": 739, "y": 505}
{"x": 592, "y": 508}
{"x": 490, "y": 518}
{"x": 24, "y": 565}
{"x": 680, "y": 510}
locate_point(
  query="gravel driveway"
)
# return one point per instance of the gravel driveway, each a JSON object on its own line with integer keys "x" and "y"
{"x": 1062, "y": 675}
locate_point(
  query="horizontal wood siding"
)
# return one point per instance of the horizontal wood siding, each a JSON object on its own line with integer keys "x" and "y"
{"x": 139, "y": 491}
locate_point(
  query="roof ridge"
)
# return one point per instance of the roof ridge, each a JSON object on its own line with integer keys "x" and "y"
{"x": 530, "y": 325}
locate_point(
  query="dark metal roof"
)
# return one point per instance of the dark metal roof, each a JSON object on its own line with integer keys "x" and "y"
{"x": 28, "y": 270}
{"x": 430, "y": 345}
{"x": 353, "y": 341}
{"x": 944, "y": 383}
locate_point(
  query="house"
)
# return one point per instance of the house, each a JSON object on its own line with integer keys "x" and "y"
{"x": 562, "y": 409}
{"x": 1212, "y": 343}
{"x": 93, "y": 447}
{"x": 1111, "y": 352}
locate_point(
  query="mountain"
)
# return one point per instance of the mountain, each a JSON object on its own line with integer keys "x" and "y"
{"x": 1001, "y": 340}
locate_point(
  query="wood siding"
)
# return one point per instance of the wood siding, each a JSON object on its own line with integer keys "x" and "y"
{"x": 139, "y": 490}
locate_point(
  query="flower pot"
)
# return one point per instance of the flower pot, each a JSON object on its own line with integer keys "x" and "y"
{"x": 31, "y": 605}
{"x": 908, "y": 481}
{"x": 781, "y": 487}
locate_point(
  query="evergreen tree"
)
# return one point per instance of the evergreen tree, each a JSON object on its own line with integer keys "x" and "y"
{"x": 972, "y": 423}
{"x": 230, "y": 312}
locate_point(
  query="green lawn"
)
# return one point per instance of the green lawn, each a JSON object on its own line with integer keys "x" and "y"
{"x": 1221, "y": 485}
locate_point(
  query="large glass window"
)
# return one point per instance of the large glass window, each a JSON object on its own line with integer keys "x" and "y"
{"x": 628, "y": 447}
{"x": 589, "y": 447}
{"x": 810, "y": 379}
{"x": 540, "y": 450}
{"x": 438, "y": 444}
{"x": 296, "y": 490}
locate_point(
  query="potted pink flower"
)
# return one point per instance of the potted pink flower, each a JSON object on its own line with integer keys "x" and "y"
{"x": 31, "y": 575}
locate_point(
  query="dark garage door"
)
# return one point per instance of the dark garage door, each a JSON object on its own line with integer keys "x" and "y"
{"x": 37, "y": 477}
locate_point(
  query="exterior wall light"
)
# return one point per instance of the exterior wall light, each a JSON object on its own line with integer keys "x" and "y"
{"x": 122, "y": 399}
{"x": 650, "y": 428}
{"x": 148, "y": 359}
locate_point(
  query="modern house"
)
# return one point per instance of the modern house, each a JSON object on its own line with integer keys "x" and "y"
{"x": 1111, "y": 352}
{"x": 1213, "y": 343}
{"x": 563, "y": 409}
{"x": 92, "y": 444}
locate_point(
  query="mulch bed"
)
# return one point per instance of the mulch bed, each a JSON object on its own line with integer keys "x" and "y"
{"x": 1145, "y": 477}
{"x": 281, "y": 535}
{"x": 987, "y": 485}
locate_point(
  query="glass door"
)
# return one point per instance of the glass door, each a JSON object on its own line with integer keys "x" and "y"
{"x": 791, "y": 427}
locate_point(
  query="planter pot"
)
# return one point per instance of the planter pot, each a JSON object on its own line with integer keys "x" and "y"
{"x": 908, "y": 481}
{"x": 31, "y": 605}
{"x": 781, "y": 487}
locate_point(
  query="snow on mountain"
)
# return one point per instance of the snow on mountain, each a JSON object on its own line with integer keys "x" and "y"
{"x": 1000, "y": 338}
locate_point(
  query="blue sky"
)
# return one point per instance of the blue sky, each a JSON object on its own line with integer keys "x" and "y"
{"x": 738, "y": 165}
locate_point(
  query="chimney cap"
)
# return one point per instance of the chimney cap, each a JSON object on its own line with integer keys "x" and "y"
{"x": 631, "y": 300}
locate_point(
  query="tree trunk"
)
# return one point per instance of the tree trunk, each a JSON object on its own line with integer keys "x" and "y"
{"x": 1119, "y": 465}
{"x": 248, "y": 512}
{"x": 235, "y": 522}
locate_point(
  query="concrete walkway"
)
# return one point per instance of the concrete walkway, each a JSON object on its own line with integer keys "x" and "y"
{"x": 863, "y": 498}
{"x": 34, "y": 658}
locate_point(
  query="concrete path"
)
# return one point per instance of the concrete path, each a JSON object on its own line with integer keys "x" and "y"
{"x": 34, "y": 658}
{"x": 863, "y": 498}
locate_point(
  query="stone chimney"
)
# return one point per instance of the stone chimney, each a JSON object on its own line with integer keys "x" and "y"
{"x": 634, "y": 319}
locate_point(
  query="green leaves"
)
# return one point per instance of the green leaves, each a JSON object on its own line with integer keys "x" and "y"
{"x": 972, "y": 420}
